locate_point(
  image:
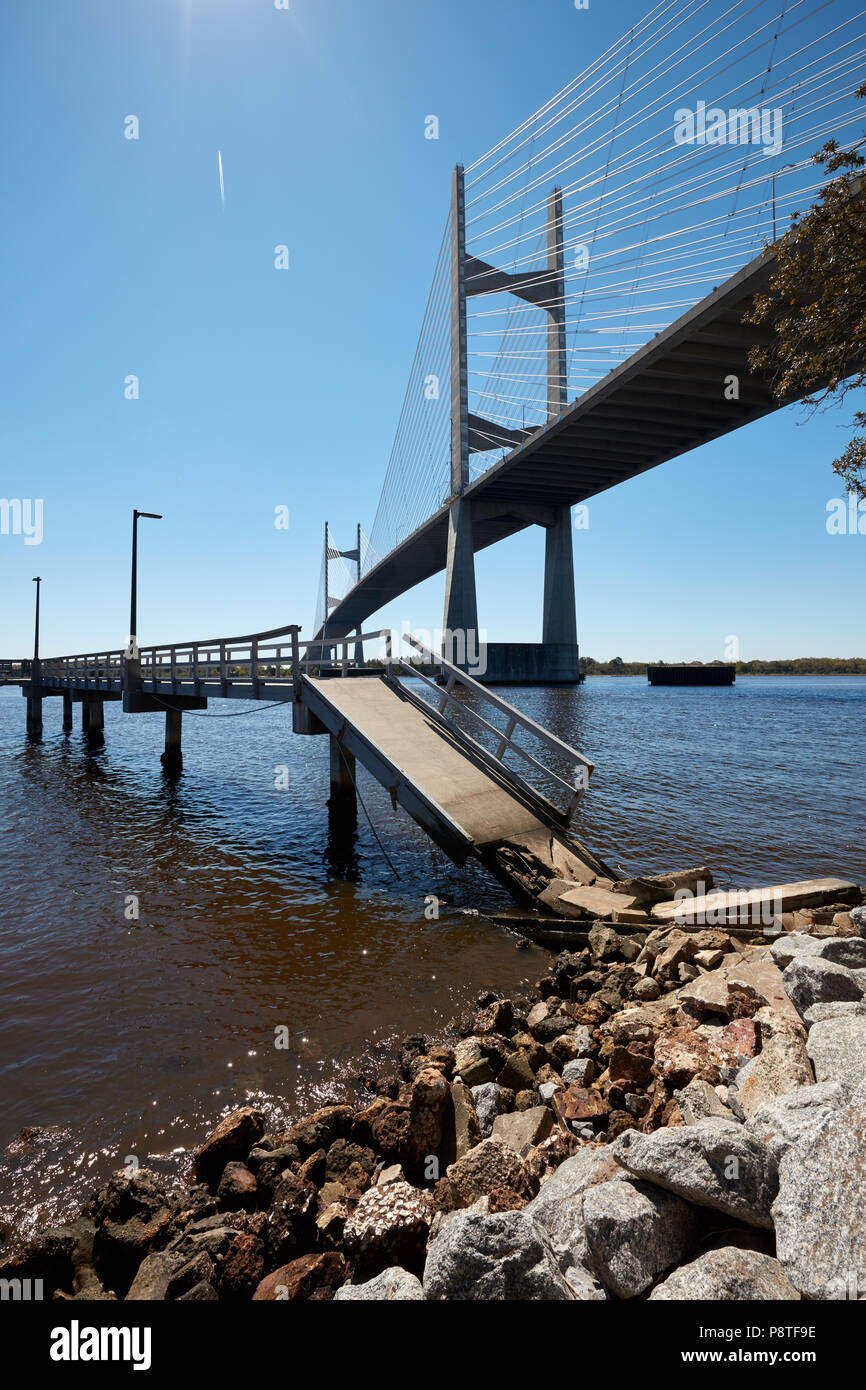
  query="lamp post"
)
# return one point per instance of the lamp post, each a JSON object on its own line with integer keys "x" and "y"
{"x": 132, "y": 650}
{"x": 38, "y": 582}
{"x": 34, "y": 692}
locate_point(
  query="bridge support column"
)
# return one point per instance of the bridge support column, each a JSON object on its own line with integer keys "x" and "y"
{"x": 560, "y": 615}
{"x": 34, "y": 716}
{"x": 342, "y": 775}
{"x": 460, "y": 620}
{"x": 67, "y": 711}
{"x": 172, "y": 758}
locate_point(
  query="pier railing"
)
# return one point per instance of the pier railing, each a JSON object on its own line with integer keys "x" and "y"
{"x": 12, "y": 672}
{"x": 216, "y": 666}
{"x": 272, "y": 664}
{"x": 445, "y": 702}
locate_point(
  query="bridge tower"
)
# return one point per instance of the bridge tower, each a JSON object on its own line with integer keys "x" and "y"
{"x": 557, "y": 657}
{"x": 461, "y": 606}
{"x": 332, "y": 553}
{"x": 560, "y": 616}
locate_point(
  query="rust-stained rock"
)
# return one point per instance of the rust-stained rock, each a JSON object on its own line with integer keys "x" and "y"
{"x": 629, "y": 1064}
{"x": 681, "y": 1054}
{"x": 237, "y": 1187}
{"x": 579, "y": 1103}
{"x": 505, "y": 1199}
{"x": 243, "y": 1267}
{"x": 492, "y": 1163}
{"x": 233, "y": 1138}
{"x": 780, "y": 1067}
{"x": 319, "y": 1130}
{"x": 301, "y": 1278}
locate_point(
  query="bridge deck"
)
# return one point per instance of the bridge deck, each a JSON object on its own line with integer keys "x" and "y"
{"x": 665, "y": 400}
{"x": 472, "y": 797}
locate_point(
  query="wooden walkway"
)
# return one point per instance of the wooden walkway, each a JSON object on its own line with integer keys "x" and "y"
{"x": 466, "y": 797}
{"x": 466, "y": 789}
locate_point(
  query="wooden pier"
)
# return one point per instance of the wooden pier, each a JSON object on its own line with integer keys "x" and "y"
{"x": 450, "y": 752}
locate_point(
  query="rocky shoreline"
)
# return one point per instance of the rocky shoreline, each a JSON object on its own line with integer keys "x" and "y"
{"x": 675, "y": 1113}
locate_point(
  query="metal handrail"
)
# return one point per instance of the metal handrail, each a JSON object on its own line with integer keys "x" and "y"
{"x": 455, "y": 676}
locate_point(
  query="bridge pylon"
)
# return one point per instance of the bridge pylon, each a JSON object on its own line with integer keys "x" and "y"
{"x": 557, "y": 658}
{"x": 460, "y": 618}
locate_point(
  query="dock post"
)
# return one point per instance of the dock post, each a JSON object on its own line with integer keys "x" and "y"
{"x": 67, "y": 711}
{"x": 93, "y": 719}
{"x": 172, "y": 758}
{"x": 34, "y": 716}
{"x": 342, "y": 774}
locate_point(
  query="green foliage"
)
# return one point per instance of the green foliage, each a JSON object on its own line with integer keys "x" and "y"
{"x": 805, "y": 666}
{"x": 816, "y": 304}
{"x": 796, "y": 666}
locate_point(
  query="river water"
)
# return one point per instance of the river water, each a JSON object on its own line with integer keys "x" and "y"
{"x": 129, "y": 1035}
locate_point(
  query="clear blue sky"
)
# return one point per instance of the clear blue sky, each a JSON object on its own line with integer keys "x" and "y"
{"x": 262, "y": 388}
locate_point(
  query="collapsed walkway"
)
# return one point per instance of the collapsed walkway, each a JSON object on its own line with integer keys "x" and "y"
{"x": 461, "y": 792}
{"x": 450, "y": 751}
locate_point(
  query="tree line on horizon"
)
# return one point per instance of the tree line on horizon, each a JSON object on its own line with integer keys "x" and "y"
{"x": 795, "y": 666}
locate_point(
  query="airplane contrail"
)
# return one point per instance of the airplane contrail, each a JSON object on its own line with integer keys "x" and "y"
{"x": 222, "y": 185}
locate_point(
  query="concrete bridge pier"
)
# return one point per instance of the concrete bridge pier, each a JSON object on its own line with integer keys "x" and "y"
{"x": 34, "y": 716}
{"x": 342, "y": 771}
{"x": 67, "y": 711}
{"x": 559, "y": 623}
{"x": 460, "y": 619}
{"x": 172, "y": 758}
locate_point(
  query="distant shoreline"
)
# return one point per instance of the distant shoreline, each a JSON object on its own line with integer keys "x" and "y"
{"x": 840, "y": 666}
{"x": 829, "y": 675}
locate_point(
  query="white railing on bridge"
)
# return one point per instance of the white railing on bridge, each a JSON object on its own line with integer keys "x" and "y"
{"x": 272, "y": 665}
{"x": 443, "y": 686}
{"x": 274, "y": 658}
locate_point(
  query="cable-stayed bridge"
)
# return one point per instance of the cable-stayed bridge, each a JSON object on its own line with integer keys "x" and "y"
{"x": 585, "y": 320}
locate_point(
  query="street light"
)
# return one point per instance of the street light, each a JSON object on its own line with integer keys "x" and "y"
{"x": 132, "y": 652}
{"x": 38, "y": 582}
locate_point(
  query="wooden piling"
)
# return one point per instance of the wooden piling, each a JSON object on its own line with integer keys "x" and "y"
{"x": 34, "y": 716}
{"x": 342, "y": 774}
{"x": 172, "y": 758}
{"x": 93, "y": 718}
